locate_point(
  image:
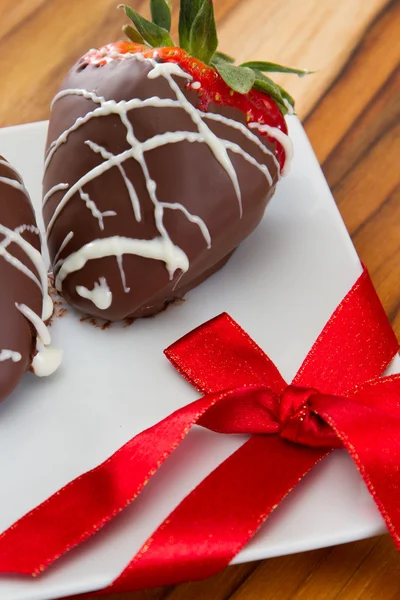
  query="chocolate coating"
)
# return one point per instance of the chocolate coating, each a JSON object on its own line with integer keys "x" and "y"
{"x": 186, "y": 173}
{"x": 16, "y": 333}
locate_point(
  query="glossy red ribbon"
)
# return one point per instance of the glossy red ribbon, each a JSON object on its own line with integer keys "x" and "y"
{"x": 337, "y": 399}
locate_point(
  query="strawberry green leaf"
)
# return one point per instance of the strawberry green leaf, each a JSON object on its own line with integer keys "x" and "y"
{"x": 203, "y": 39}
{"x": 187, "y": 14}
{"x": 270, "y": 67}
{"x": 221, "y": 56}
{"x": 152, "y": 34}
{"x": 161, "y": 13}
{"x": 132, "y": 34}
{"x": 240, "y": 79}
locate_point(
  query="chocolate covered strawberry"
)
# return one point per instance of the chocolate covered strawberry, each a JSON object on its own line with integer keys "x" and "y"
{"x": 160, "y": 160}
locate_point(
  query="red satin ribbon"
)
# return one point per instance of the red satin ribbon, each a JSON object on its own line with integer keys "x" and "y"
{"x": 337, "y": 399}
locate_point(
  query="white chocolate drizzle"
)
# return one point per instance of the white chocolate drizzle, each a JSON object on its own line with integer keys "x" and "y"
{"x": 55, "y": 188}
{"x": 100, "y": 295}
{"x": 216, "y": 145}
{"x": 31, "y": 228}
{"x": 157, "y": 249}
{"x": 15, "y": 237}
{"x": 10, "y": 355}
{"x": 131, "y": 190}
{"x": 282, "y": 138}
{"x": 65, "y": 242}
{"x": 245, "y": 131}
{"x": 35, "y": 257}
{"x": 91, "y": 205}
{"x": 14, "y": 183}
{"x": 41, "y": 329}
{"x": 192, "y": 218}
{"x": 122, "y": 273}
{"x": 47, "y": 359}
{"x": 161, "y": 247}
{"x": 5, "y": 163}
{"x": 15, "y": 262}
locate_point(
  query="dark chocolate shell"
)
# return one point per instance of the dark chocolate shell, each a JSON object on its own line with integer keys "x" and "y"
{"x": 144, "y": 195}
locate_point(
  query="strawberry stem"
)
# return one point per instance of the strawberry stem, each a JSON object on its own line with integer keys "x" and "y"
{"x": 198, "y": 37}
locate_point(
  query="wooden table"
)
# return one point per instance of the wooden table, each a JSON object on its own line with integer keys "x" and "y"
{"x": 351, "y": 110}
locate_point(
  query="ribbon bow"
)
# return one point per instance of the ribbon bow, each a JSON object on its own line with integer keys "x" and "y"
{"x": 337, "y": 399}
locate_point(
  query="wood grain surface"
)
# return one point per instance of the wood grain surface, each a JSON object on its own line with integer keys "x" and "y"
{"x": 351, "y": 111}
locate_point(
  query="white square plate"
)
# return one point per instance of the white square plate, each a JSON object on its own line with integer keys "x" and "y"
{"x": 281, "y": 285}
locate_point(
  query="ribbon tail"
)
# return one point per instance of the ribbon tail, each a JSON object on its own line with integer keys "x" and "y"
{"x": 216, "y": 520}
{"x": 87, "y": 503}
{"x": 371, "y": 436}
